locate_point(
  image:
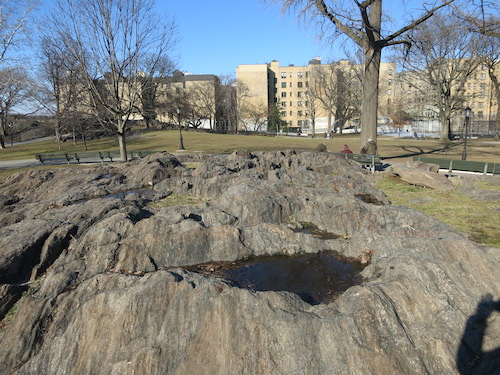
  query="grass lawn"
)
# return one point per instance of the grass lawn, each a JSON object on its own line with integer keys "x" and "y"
{"x": 479, "y": 219}
{"x": 390, "y": 148}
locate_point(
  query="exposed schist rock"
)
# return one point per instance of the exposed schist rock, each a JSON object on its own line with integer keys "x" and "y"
{"x": 105, "y": 292}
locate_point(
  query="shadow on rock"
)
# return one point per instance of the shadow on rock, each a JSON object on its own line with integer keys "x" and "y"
{"x": 471, "y": 359}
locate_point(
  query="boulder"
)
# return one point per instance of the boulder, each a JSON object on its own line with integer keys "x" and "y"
{"x": 421, "y": 176}
{"x": 103, "y": 259}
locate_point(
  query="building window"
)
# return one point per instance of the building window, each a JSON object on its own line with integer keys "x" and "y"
{"x": 482, "y": 86}
{"x": 283, "y": 104}
{"x": 388, "y": 101}
{"x": 480, "y": 105}
{"x": 283, "y": 94}
{"x": 291, "y": 113}
{"x": 283, "y": 75}
{"x": 300, "y": 74}
{"x": 389, "y": 72}
{"x": 389, "y": 82}
{"x": 291, "y": 94}
{"x": 483, "y": 75}
{"x": 481, "y": 94}
{"x": 299, "y": 113}
{"x": 299, "y": 84}
{"x": 389, "y": 92}
{"x": 480, "y": 114}
{"x": 291, "y": 74}
{"x": 290, "y": 84}
{"x": 283, "y": 85}
{"x": 299, "y": 104}
{"x": 283, "y": 113}
{"x": 475, "y": 86}
{"x": 291, "y": 104}
{"x": 299, "y": 123}
{"x": 299, "y": 94}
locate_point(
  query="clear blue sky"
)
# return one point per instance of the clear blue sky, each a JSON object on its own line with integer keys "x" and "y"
{"x": 217, "y": 36}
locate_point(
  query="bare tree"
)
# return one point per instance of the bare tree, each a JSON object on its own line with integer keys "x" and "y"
{"x": 14, "y": 16}
{"x": 481, "y": 17}
{"x": 155, "y": 86}
{"x": 338, "y": 86}
{"x": 489, "y": 54}
{"x": 442, "y": 58}
{"x": 361, "y": 22}
{"x": 204, "y": 98}
{"x": 228, "y": 104}
{"x": 60, "y": 91}
{"x": 110, "y": 39}
{"x": 252, "y": 112}
{"x": 15, "y": 88}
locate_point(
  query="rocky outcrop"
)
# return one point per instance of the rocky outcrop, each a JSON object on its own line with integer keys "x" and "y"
{"x": 421, "y": 174}
{"x": 94, "y": 273}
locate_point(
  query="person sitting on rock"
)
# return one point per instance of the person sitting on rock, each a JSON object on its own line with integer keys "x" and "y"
{"x": 370, "y": 148}
{"x": 346, "y": 150}
{"x": 321, "y": 147}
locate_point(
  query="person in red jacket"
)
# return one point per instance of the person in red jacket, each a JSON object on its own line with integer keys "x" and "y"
{"x": 346, "y": 150}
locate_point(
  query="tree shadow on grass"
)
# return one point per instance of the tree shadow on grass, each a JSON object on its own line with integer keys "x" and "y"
{"x": 471, "y": 359}
{"x": 418, "y": 151}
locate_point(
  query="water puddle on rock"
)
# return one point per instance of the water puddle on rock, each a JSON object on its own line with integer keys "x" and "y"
{"x": 316, "y": 278}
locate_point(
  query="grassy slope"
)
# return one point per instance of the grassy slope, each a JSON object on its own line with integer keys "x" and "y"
{"x": 479, "y": 219}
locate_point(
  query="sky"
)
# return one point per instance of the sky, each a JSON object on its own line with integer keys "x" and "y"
{"x": 217, "y": 36}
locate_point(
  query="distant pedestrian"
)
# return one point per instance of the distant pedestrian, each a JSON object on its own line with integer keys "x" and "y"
{"x": 346, "y": 150}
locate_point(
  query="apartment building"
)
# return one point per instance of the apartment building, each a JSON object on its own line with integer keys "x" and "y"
{"x": 189, "y": 98}
{"x": 298, "y": 92}
{"x": 181, "y": 98}
{"x": 418, "y": 99}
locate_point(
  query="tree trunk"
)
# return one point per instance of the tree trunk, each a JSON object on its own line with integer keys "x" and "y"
{"x": 445, "y": 119}
{"x": 497, "y": 125}
{"x": 84, "y": 139}
{"x": 496, "y": 87}
{"x": 57, "y": 133}
{"x": 123, "y": 146}
{"x": 370, "y": 95}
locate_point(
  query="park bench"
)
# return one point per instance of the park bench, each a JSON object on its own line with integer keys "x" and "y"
{"x": 103, "y": 156}
{"x": 68, "y": 157}
{"x": 462, "y": 165}
{"x": 370, "y": 162}
{"x": 42, "y": 158}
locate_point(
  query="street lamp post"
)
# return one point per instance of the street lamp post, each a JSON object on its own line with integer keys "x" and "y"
{"x": 468, "y": 113}
{"x": 181, "y": 143}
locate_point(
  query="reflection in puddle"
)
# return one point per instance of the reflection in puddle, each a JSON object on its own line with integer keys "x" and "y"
{"x": 316, "y": 278}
